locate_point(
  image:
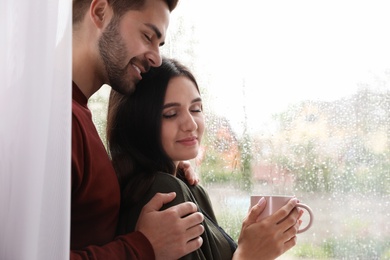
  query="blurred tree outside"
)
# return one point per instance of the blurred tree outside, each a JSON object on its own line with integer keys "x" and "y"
{"x": 327, "y": 146}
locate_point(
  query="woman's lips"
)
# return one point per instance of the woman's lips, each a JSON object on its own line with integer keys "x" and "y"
{"x": 188, "y": 141}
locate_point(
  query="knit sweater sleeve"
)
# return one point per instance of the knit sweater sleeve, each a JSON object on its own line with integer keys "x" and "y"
{"x": 131, "y": 246}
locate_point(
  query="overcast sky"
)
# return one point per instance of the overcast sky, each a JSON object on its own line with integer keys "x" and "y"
{"x": 286, "y": 51}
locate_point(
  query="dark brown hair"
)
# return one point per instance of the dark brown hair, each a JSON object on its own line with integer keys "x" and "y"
{"x": 119, "y": 7}
{"x": 134, "y": 131}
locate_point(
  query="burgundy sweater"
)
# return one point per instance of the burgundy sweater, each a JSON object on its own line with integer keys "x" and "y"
{"x": 96, "y": 196}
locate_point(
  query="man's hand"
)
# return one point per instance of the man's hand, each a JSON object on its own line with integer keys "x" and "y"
{"x": 270, "y": 237}
{"x": 190, "y": 175}
{"x": 174, "y": 232}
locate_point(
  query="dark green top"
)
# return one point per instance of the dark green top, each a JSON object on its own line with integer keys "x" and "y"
{"x": 216, "y": 243}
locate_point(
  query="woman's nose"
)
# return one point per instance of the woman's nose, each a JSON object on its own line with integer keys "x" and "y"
{"x": 189, "y": 123}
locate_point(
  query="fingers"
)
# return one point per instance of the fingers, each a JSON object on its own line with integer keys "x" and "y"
{"x": 290, "y": 243}
{"x": 300, "y": 214}
{"x": 191, "y": 219}
{"x": 255, "y": 211}
{"x": 287, "y": 222}
{"x": 173, "y": 232}
{"x": 290, "y": 235}
{"x": 185, "y": 208}
{"x": 194, "y": 232}
{"x": 291, "y": 226}
{"x": 158, "y": 201}
{"x": 184, "y": 164}
{"x": 270, "y": 237}
{"x": 290, "y": 220}
{"x": 284, "y": 211}
{"x": 188, "y": 211}
{"x": 191, "y": 176}
{"x": 192, "y": 224}
{"x": 189, "y": 173}
{"x": 194, "y": 244}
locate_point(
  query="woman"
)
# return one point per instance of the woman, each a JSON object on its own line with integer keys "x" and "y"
{"x": 148, "y": 134}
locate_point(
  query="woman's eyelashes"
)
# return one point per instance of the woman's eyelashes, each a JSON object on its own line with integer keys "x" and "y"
{"x": 169, "y": 114}
{"x": 174, "y": 113}
{"x": 196, "y": 108}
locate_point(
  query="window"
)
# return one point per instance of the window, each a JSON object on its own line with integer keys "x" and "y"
{"x": 297, "y": 97}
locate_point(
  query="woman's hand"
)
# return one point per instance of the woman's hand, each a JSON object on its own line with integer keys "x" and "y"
{"x": 270, "y": 237}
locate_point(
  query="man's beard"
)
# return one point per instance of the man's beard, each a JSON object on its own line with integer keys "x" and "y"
{"x": 112, "y": 50}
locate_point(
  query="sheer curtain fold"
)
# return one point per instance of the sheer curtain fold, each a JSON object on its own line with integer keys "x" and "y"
{"x": 35, "y": 123}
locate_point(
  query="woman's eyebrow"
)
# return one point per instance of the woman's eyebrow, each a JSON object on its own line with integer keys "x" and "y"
{"x": 173, "y": 104}
{"x": 197, "y": 100}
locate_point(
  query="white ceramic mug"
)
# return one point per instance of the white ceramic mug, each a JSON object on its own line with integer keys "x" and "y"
{"x": 275, "y": 202}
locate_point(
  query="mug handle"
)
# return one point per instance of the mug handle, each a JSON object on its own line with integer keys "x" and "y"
{"x": 308, "y": 209}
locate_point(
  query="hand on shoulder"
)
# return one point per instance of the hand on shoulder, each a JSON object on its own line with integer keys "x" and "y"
{"x": 173, "y": 232}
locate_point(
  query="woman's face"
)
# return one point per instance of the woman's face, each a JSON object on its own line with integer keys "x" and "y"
{"x": 182, "y": 120}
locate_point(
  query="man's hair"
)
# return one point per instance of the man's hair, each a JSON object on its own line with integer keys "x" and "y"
{"x": 119, "y": 7}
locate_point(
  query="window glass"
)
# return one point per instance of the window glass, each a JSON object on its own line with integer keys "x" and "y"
{"x": 297, "y": 101}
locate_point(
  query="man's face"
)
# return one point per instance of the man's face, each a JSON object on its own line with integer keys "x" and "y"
{"x": 130, "y": 45}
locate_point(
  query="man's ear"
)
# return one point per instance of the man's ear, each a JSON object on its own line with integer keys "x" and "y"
{"x": 100, "y": 11}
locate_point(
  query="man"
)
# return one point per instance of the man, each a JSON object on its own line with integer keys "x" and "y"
{"x": 114, "y": 42}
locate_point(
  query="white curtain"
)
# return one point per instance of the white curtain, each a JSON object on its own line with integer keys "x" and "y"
{"x": 35, "y": 124}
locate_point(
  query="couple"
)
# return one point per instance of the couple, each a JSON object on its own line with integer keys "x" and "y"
{"x": 115, "y": 42}
{"x": 149, "y": 133}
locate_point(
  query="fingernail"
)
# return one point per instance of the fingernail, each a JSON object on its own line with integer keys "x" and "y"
{"x": 261, "y": 201}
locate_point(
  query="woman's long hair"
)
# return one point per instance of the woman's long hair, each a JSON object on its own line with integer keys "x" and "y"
{"x": 134, "y": 131}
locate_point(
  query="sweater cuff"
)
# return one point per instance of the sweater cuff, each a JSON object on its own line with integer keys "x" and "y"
{"x": 138, "y": 241}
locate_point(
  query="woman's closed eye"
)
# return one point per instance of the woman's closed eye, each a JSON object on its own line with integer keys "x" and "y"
{"x": 196, "y": 108}
{"x": 173, "y": 111}
{"x": 169, "y": 114}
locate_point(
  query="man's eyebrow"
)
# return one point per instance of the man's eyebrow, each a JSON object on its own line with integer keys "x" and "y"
{"x": 156, "y": 31}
